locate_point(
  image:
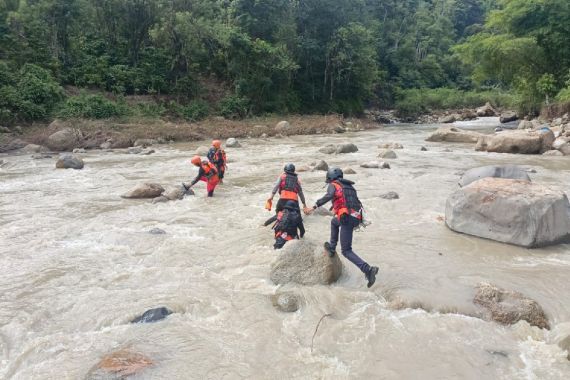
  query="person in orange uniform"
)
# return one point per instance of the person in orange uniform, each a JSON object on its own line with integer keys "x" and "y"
{"x": 217, "y": 156}
{"x": 348, "y": 215}
{"x": 289, "y": 188}
{"x": 207, "y": 172}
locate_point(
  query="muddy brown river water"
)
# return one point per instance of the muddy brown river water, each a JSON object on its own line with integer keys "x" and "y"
{"x": 78, "y": 264}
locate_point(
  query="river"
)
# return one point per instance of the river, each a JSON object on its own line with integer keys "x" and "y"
{"x": 78, "y": 263}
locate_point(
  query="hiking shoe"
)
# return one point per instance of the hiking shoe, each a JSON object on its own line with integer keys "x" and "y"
{"x": 371, "y": 276}
{"x": 329, "y": 249}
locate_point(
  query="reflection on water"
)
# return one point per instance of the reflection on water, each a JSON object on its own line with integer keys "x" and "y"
{"x": 78, "y": 263}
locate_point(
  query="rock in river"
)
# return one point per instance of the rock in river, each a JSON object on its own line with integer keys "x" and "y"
{"x": 304, "y": 262}
{"x": 508, "y": 307}
{"x": 346, "y": 148}
{"x": 66, "y": 139}
{"x": 321, "y": 165}
{"x": 510, "y": 211}
{"x": 69, "y": 161}
{"x": 517, "y": 141}
{"x": 152, "y": 315}
{"x": 495, "y": 171}
{"x": 119, "y": 365}
{"x": 145, "y": 190}
{"x": 287, "y": 302}
{"x": 452, "y": 134}
{"x": 232, "y": 143}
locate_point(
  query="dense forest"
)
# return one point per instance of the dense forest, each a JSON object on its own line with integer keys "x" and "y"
{"x": 95, "y": 58}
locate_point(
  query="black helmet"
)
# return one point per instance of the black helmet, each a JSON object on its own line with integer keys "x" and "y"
{"x": 290, "y": 205}
{"x": 289, "y": 168}
{"x": 333, "y": 174}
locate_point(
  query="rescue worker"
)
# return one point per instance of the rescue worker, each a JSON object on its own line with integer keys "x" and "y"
{"x": 217, "y": 156}
{"x": 288, "y": 224}
{"x": 289, "y": 188}
{"x": 207, "y": 172}
{"x": 348, "y": 215}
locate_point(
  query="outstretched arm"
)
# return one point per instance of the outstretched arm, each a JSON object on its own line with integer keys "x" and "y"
{"x": 200, "y": 174}
{"x": 270, "y": 220}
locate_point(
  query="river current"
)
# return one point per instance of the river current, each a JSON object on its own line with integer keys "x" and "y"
{"x": 78, "y": 263}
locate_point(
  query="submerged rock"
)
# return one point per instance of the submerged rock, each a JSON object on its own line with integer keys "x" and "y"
{"x": 391, "y": 146}
{"x": 304, "y": 262}
{"x": 390, "y": 195}
{"x": 157, "y": 231}
{"x": 510, "y": 211}
{"x": 494, "y": 171}
{"x": 517, "y": 142}
{"x": 328, "y": 149}
{"x": 346, "y": 148}
{"x": 322, "y": 166}
{"x": 452, "y": 134}
{"x": 119, "y": 365}
{"x": 375, "y": 165}
{"x": 145, "y": 190}
{"x": 287, "y": 302}
{"x": 555, "y": 153}
{"x": 388, "y": 154}
{"x": 232, "y": 143}
{"x": 152, "y": 315}
{"x": 508, "y": 307}
{"x": 69, "y": 161}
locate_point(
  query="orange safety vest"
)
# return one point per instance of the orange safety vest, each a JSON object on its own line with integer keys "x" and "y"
{"x": 209, "y": 169}
{"x": 220, "y": 155}
{"x": 342, "y": 205}
{"x": 289, "y": 187}
{"x": 282, "y": 234}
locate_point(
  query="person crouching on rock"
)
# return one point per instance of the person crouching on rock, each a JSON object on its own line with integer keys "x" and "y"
{"x": 217, "y": 156}
{"x": 289, "y": 187}
{"x": 348, "y": 215}
{"x": 207, "y": 172}
{"x": 288, "y": 224}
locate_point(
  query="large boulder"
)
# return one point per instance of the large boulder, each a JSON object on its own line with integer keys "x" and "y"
{"x": 65, "y": 140}
{"x": 510, "y": 211}
{"x": 8, "y": 144}
{"x": 508, "y": 307}
{"x": 346, "y": 148}
{"x": 494, "y": 171}
{"x": 486, "y": 111}
{"x": 565, "y": 149}
{"x": 306, "y": 263}
{"x": 508, "y": 116}
{"x": 517, "y": 142}
{"x": 452, "y": 134}
{"x": 119, "y": 365}
{"x": 144, "y": 191}
{"x": 69, "y": 161}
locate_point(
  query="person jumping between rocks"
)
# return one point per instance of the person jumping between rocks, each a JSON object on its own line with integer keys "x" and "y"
{"x": 289, "y": 187}
{"x": 217, "y": 156}
{"x": 207, "y": 172}
{"x": 288, "y": 224}
{"x": 348, "y": 215}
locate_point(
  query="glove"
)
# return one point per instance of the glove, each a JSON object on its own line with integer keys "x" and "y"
{"x": 269, "y": 204}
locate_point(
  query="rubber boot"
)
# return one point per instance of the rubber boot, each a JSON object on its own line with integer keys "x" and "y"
{"x": 371, "y": 276}
{"x": 210, "y": 194}
{"x": 329, "y": 249}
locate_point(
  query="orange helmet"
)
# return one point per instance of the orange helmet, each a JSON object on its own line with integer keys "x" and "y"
{"x": 217, "y": 144}
{"x": 196, "y": 160}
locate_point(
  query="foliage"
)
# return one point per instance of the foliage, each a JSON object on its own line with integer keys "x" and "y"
{"x": 412, "y": 102}
{"x": 92, "y": 107}
{"x": 194, "y": 111}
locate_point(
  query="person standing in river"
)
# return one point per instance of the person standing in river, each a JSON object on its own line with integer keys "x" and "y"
{"x": 207, "y": 172}
{"x": 289, "y": 188}
{"x": 217, "y": 156}
{"x": 348, "y": 215}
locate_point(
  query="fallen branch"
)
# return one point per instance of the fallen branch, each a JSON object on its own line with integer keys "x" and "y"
{"x": 317, "y": 329}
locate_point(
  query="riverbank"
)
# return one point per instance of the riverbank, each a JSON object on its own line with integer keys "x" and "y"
{"x": 110, "y": 133}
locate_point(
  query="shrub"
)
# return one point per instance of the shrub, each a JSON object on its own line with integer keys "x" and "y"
{"x": 92, "y": 107}
{"x": 234, "y": 107}
{"x": 196, "y": 110}
{"x": 150, "y": 109}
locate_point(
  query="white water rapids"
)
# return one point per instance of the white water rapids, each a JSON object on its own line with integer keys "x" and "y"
{"x": 78, "y": 264}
